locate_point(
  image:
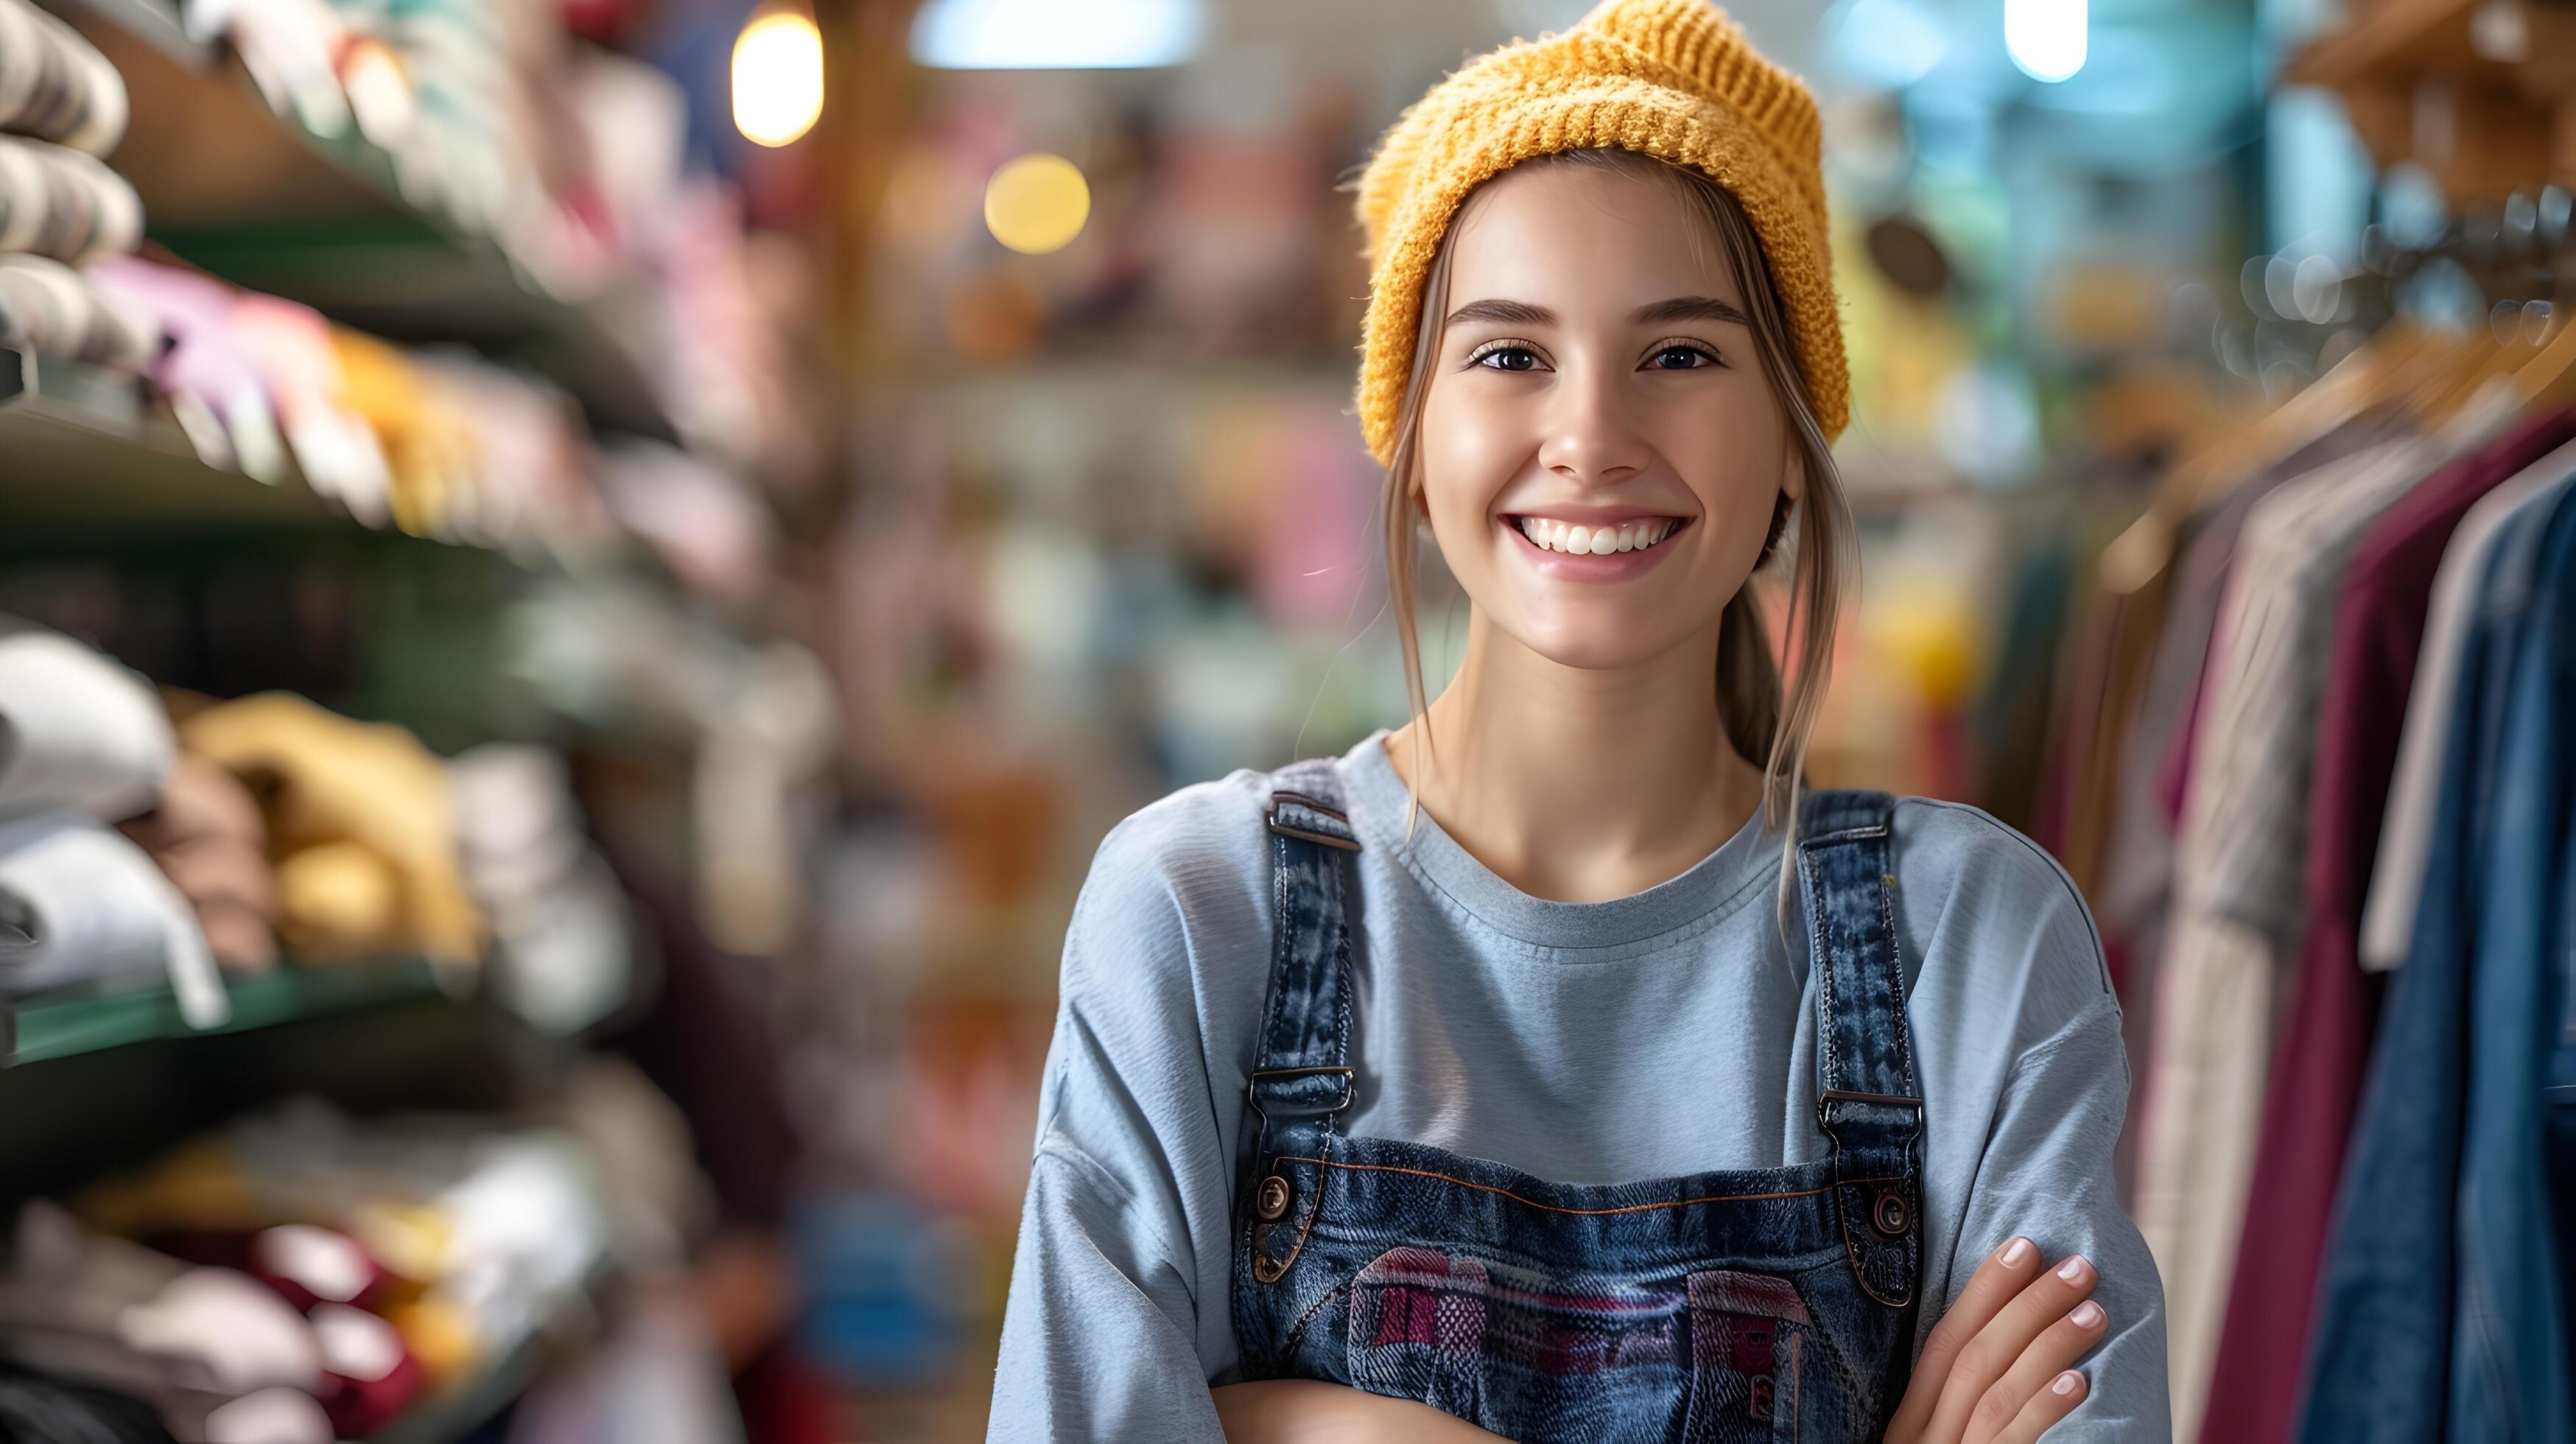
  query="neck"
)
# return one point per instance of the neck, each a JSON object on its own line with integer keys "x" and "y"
{"x": 1579, "y": 784}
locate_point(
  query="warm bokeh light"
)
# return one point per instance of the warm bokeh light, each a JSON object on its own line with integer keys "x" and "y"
{"x": 778, "y": 77}
{"x": 1037, "y": 203}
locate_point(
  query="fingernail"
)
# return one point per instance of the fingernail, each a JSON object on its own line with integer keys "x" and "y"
{"x": 2016, "y": 1253}
{"x": 2087, "y": 1315}
{"x": 2068, "y": 1382}
{"x": 2073, "y": 1269}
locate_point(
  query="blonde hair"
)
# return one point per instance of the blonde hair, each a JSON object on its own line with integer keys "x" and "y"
{"x": 1766, "y": 721}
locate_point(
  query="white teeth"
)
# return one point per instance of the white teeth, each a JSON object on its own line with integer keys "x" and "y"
{"x": 1557, "y": 536}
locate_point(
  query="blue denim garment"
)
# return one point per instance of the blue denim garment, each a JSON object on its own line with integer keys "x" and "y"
{"x": 1729, "y": 1306}
{"x": 2379, "y": 1364}
{"x": 2509, "y": 1341}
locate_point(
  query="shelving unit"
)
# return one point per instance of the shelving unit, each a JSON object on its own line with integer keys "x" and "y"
{"x": 254, "y": 197}
{"x": 83, "y": 454}
{"x": 62, "y": 1025}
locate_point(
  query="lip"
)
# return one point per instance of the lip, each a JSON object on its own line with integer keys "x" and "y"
{"x": 1614, "y": 567}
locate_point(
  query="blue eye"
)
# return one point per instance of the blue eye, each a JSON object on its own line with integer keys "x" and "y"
{"x": 1680, "y": 358}
{"x": 1509, "y": 358}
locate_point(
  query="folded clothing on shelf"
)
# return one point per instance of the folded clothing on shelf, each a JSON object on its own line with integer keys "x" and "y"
{"x": 208, "y": 835}
{"x": 466, "y": 1238}
{"x": 64, "y": 203}
{"x": 562, "y": 946}
{"x": 55, "y": 311}
{"x": 361, "y": 820}
{"x": 81, "y": 904}
{"x": 55, "y": 85}
{"x": 79, "y": 732}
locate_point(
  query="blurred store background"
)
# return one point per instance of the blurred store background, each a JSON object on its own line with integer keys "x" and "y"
{"x": 580, "y": 578}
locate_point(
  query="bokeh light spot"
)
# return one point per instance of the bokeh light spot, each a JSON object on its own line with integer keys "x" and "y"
{"x": 778, "y": 77}
{"x": 1037, "y": 203}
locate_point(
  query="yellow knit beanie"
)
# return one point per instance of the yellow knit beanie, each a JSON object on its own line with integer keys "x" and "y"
{"x": 1672, "y": 78}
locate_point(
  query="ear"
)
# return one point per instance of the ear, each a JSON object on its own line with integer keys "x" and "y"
{"x": 1793, "y": 474}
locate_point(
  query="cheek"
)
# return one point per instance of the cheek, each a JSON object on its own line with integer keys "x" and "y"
{"x": 1470, "y": 450}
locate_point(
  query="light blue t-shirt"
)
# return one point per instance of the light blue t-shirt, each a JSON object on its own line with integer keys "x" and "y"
{"x": 1669, "y": 1032}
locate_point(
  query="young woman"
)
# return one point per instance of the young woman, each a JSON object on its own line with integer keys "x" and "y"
{"x": 1556, "y": 1066}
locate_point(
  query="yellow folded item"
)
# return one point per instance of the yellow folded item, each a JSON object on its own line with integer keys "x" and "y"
{"x": 322, "y": 778}
{"x": 338, "y": 902}
{"x": 432, "y": 452}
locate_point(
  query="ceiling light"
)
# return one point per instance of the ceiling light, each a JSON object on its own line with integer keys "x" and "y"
{"x": 1056, "y": 34}
{"x": 778, "y": 76}
{"x": 2046, "y": 38}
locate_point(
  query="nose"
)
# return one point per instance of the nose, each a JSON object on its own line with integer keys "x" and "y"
{"x": 1588, "y": 436}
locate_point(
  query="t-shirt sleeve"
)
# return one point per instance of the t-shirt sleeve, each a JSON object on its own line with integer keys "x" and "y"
{"x": 1101, "y": 1335}
{"x": 2046, "y": 1176}
{"x": 2058, "y": 1095}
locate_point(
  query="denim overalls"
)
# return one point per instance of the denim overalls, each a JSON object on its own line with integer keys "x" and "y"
{"x": 1773, "y": 1304}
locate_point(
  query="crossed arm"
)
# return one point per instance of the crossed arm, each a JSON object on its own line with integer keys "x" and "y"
{"x": 1996, "y": 1370}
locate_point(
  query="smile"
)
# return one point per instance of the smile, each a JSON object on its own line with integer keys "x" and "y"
{"x": 1548, "y": 534}
{"x": 1610, "y": 550}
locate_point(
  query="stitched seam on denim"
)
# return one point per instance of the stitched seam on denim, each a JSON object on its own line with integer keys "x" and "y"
{"x": 1820, "y": 962}
{"x": 1895, "y": 961}
{"x": 1314, "y": 1205}
{"x": 1586, "y": 1212}
{"x": 1297, "y": 1330}
{"x": 2101, "y": 963}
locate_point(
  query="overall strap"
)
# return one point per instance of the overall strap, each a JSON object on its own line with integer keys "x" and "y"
{"x": 1867, "y": 1102}
{"x": 1301, "y": 1080}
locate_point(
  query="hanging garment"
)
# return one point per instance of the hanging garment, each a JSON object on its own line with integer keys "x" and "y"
{"x": 2324, "y": 1044}
{"x": 2509, "y": 1334}
{"x": 56, "y": 85}
{"x": 1715, "y": 1306}
{"x": 2380, "y": 1362}
{"x": 2406, "y": 833}
{"x": 78, "y": 732}
{"x": 2236, "y": 911}
{"x": 58, "y": 202}
{"x": 2137, "y": 871}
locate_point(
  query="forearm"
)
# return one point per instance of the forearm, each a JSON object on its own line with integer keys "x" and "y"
{"x": 1304, "y": 1411}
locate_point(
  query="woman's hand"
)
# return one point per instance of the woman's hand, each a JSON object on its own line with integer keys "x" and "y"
{"x": 1304, "y": 1411}
{"x": 1995, "y": 1370}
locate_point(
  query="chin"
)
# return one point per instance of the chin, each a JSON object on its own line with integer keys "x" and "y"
{"x": 1594, "y": 643}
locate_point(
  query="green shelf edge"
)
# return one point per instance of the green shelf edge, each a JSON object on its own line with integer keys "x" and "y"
{"x": 49, "y": 1026}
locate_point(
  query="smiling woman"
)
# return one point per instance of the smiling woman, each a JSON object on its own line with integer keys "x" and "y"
{"x": 1598, "y": 341}
{"x": 1558, "y": 1066}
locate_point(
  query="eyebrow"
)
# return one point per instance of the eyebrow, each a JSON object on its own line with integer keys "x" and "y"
{"x": 1679, "y": 308}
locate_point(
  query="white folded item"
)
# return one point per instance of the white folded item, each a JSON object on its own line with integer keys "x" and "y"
{"x": 80, "y": 903}
{"x": 79, "y": 732}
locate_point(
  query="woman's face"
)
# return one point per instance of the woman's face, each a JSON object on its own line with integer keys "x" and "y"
{"x": 1600, "y": 453}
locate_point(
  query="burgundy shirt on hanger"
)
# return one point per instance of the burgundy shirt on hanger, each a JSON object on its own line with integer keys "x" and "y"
{"x": 2324, "y": 1045}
